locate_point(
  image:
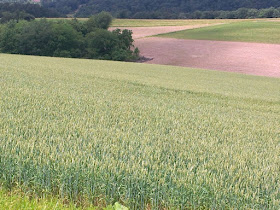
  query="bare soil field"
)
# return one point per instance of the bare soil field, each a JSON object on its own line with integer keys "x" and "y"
{"x": 241, "y": 57}
{"x": 247, "y": 58}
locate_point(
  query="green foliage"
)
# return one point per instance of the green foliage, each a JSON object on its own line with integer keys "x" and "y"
{"x": 66, "y": 41}
{"x": 34, "y": 38}
{"x": 63, "y": 6}
{"x": 118, "y": 206}
{"x": 241, "y": 13}
{"x": 170, "y": 9}
{"x": 73, "y": 39}
{"x": 115, "y": 45}
{"x": 17, "y": 201}
{"x": 122, "y": 51}
{"x": 7, "y": 16}
{"x": 41, "y": 37}
{"x": 99, "y": 21}
{"x": 149, "y": 9}
{"x": 13, "y": 200}
{"x": 146, "y": 136}
{"x": 34, "y": 10}
{"x": 100, "y": 44}
{"x": 247, "y": 31}
{"x": 79, "y": 26}
{"x": 102, "y": 20}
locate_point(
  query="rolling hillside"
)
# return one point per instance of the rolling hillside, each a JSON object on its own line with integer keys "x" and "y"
{"x": 148, "y": 136}
{"x": 247, "y": 31}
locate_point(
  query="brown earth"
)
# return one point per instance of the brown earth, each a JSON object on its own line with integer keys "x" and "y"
{"x": 140, "y": 32}
{"x": 241, "y": 57}
{"x": 247, "y": 58}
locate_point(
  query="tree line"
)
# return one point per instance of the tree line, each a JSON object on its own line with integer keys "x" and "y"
{"x": 17, "y": 11}
{"x": 241, "y": 13}
{"x": 144, "y": 9}
{"x": 68, "y": 38}
{"x": 155, "y": 8}
{"x": 34, "y": 9}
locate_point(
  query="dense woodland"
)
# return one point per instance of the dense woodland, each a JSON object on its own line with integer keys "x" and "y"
{"x": 27, "y": 11}
{"x": 168, "y": 8}
{"x": 75, "y": 39}
{"x": 154, "y": 8}
{"x": 160, "y": 9}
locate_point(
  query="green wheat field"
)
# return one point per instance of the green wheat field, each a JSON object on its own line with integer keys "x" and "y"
{"x": 146, "y": 136}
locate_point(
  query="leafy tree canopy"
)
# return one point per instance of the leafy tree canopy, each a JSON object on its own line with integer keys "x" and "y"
{"x": 128, "y": 8}
{"x": 68, "y": 38}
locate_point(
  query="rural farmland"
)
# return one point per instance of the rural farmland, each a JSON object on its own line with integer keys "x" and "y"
{"x": 145, "y": 135}
{"x": 193, "y": 124}
{"x": 242, "y": 46}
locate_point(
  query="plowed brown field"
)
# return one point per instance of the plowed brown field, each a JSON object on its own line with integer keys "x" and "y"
{"x": 241, "y": 57}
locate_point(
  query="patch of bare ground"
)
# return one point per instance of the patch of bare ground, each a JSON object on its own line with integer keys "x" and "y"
{"x": 241, "y": 57}
{"x": 141, "y": 32}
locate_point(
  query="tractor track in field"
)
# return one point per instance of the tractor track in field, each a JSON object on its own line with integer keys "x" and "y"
{"x": 241, "y": 57}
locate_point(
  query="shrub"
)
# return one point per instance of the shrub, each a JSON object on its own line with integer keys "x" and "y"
{"x": 102, "y": 21}
{"x": 68, "y": 39}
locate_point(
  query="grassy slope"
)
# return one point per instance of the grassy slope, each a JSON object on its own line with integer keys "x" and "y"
{"x": 169, "y": 22}
{"x": 140, "y": 133}
{"x": 176, "y": 22}
{"x": 253, "y": 31}
{"x": 157, "y": 22}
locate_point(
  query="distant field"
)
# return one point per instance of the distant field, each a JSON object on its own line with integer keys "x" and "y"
{"x": 149, "y": 136}
{"x": 170, "y": 22}
{"x": 252, "y": 31}
{"x": 157, "y": 22}
{"x": 176, "y": 22}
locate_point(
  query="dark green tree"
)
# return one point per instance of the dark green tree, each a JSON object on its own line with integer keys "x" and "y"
{"x": 68, "y": 39}
{"x": 102, "y": 20}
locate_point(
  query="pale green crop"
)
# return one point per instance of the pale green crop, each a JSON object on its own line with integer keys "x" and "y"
{"x": 147, "y": 136}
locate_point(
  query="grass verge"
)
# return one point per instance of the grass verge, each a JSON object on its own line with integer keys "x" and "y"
{"x": 20, "y": 201}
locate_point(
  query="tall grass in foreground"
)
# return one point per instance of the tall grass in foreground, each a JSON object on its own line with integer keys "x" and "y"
{"x": 147, "y": 136}
{"x": 17, "y": 200}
